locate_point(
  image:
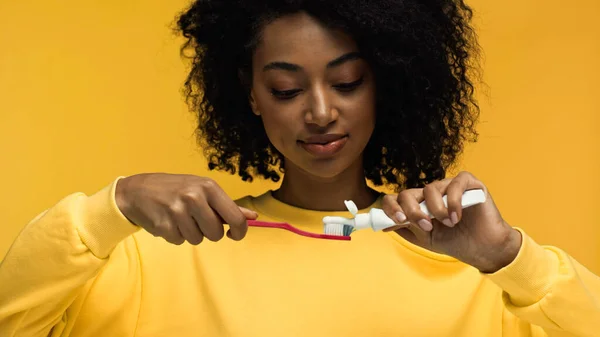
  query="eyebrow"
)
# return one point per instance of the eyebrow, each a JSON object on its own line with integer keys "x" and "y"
{"x": 294, "y": 67}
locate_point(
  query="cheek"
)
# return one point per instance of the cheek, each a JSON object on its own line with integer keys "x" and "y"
{"x": 364, "y": 127}
{"x": 361, "y": 113}
{"x": 278, "y": 120}
{"x": 279, "y": 128}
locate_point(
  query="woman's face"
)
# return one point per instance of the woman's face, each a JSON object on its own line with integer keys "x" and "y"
{"x": 315, "y": 95}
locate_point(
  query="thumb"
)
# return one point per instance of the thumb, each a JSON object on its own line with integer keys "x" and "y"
{"x": 393, "y": 210}
{"x": 249, "y": 214}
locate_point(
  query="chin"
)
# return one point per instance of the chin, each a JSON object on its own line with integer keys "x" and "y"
{"x": 325, "y": 169}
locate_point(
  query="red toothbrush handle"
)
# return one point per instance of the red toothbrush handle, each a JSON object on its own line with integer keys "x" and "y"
{"x": 283, "y": 225}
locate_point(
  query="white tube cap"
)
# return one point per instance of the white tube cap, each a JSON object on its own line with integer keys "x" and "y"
{"x": 351, "y": 206}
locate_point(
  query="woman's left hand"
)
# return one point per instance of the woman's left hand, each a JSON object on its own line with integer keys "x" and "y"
{"x": 476, "y": 235}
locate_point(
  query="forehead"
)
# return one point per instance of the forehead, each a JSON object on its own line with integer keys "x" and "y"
{"x": 301, "y": 39}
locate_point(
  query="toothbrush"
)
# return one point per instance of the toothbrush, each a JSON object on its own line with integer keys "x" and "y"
{"x": 286, "y": 226}
{"x": 340, "y": 228}
{"x": 378, "y": 220}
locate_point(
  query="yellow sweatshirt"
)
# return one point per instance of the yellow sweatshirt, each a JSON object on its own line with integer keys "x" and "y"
{"x": 81, "y": 269}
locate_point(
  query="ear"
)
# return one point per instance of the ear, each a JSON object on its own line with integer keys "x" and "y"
{"x": 246, "y": 83}
{"x": 253, "y": 104}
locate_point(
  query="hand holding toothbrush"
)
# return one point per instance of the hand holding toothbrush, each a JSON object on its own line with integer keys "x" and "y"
{"x": 478, "y": 235}
{"x": 181, "y": 208}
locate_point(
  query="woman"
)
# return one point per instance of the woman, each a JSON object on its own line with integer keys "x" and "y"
{"x": 332, "y": 94}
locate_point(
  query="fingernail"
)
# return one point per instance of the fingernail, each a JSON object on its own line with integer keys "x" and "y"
{"x": 454, "y": 218}
{"x": 425, "y": 225}
{"x": 401, "y": 217}
{"x": 448, "y": 223}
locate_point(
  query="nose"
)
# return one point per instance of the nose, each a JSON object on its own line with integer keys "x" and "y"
{"x": 320, "y": 111}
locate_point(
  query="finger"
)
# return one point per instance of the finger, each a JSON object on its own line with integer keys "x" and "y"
{"x": 190, "y": 230}
{"x": 394, "y": 228}
{"x": 462, "y": 182}
{"x": 229, "y": 211}
{"x": 415, "y": 234}
{"x": 168, "y": 231}
{"x": 182, "y": 219}
{"x": 409, "y": 202}
{"x": 209, "y": 223}
{"x": 248, "y": 213}
{"x": 422, "y": 236}
{"x": 433, "y": 194}
{"x": 393, "y": 210}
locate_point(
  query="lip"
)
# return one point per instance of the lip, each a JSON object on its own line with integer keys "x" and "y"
{"x": 323, "y": 139}
{"x": 323, "y": 146}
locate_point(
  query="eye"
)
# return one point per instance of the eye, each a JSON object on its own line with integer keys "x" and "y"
{"x": 285, "y": 94}
{"x": 347, "y": 87}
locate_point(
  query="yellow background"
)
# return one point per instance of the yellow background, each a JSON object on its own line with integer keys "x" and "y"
{"x": 89, "y": 90}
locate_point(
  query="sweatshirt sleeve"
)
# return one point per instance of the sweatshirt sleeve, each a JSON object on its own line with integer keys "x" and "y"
{"x": 53, "y": 258}
{"x": 547, "y": 288}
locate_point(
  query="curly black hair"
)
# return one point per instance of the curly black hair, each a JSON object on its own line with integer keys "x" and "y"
{"x": 423, "y": 54}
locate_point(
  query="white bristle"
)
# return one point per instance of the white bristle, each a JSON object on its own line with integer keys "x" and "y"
{"x": 336, "y": 229}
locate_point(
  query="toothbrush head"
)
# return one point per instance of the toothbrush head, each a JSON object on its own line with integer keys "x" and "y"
{"x": 337, "y": 229}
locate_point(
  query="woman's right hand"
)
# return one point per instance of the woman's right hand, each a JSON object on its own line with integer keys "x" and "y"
{"x": 181, "y": 207}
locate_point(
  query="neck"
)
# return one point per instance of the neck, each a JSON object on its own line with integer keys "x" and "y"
{"x": 301, "y": 189}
